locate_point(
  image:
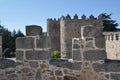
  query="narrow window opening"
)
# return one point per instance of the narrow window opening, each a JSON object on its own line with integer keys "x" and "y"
{"x": 117, "y": 37}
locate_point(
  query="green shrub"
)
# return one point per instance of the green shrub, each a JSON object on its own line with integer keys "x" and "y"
{"x": 55, "y": 54}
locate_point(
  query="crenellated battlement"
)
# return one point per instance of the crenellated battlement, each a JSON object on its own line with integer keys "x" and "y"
{"x": 63, "y": 29}
{"x": 83, "y": 17}
{"x": 53, "y": 20}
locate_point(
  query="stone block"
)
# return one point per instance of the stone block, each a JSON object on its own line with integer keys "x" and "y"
{"x": 26, "y": 70}
{"x": 99, "y": 67}
{"x": 70, "y": 78}
{"x": 76, "y": 55}
{"x": 34, "y": 64}
{"x": 58, "y": 73}
{"x": 58, "y": 62}
{"x": 43, "y": 42}
{"x": 37, "y": 55}
{"x": 115, "y": 76}
{"x": 65, "y": 64}
{"x": 6, "y": 63}
{"x": 94, "y": 55}
{"x": 33, "y": 30}
{"x": 25, "y": 43}
{"x": 90, "y": 31}
{"x": 89, "y": 44}
{"x": 38, "y": 75}
{"x": 100, "y": 41}
{"x": 9, "y": 72}
{"x": 112, "y": 67}
{"x": 76, "y": 46}
{"x": 12, "y": 77}
{"x": 19, "y": 55}
{"x": 74, "y": 65}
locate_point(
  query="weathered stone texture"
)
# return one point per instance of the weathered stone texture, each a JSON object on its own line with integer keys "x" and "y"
{"x": 94, "y": 55}
{"x": 19, "y": 55}
{"x": 34, "y": 64}
{"x": 43, "y": 42}
{"x": 69, "y": 78}
{"x": 25, "y": 43}
{"x": 53, "y": 31}
{"x": 115, "y": 76}
{"x": 66, "y": 64}
{"x": 0, "y": 46}
{"x": 33, "y": 30}
{"x": 112, "y": 67}
{"x": 37, "y": 55}
{"x": 38, "y": 75}
{"x": 99, "y": 67}
{"x": 76, "y": 55}
{"x": 58, "y": 73}
{"x": 6, "y": 63}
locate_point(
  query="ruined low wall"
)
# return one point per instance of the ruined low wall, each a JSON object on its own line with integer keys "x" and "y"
{"x": 33, "y": 61}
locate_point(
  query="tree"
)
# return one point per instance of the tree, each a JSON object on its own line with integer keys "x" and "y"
{"x": 8, "y": 41}
{"x": 108, "y": 23}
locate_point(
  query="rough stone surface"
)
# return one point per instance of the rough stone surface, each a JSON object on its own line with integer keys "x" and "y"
{"x": 72, "y": 65}
{"x": 43, "y": 42}
{"x": 0, "y": 46}
{"x": 94, "y": 55}
{"x": 99, "y": 67}
{"x": 19, "y": 55}
{"x": 33, "y": 30}
{"x": 100, "y": 40}
{"x": 69, "y": 78}
{"x": 115, "y": 76}
{"x": 34, "y": 64}
{"x": 58, "y": 73}
{"x": 25, "y": 43}
{"x": 59, "y": 62}
{"x": 66, "y": 64}
{"x": 112, "y": 67}
{"x": 38, "y": 75}
{"x": 53, "y": 31}
{"x": 37, "y": 55}
{"x": 76, "y": 46}
{"x": 6, "y": 63}
{"x": 76, "y": 55}
{"x": 26, "y": 70}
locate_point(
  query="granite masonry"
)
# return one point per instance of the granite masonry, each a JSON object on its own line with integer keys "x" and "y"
{"x": 0, "y": 47}
{"x": 86, "y": 60}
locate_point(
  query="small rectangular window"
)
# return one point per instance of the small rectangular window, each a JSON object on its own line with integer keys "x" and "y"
{"x": 117, "y": 37}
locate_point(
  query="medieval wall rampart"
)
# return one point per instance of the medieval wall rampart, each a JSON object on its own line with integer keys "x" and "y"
{"x": 53, "y": 31}
{"x": 33, "y": 62}
{"x": 70, "y": 28}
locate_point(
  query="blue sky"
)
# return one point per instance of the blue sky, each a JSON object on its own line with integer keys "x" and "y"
{"x": 16, "y": 14}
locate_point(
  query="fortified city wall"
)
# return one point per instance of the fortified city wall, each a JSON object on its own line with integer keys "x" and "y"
{"x": 0, "y": 46}
{"x": 88, "y": 60}
{"x": 62, "y": 31}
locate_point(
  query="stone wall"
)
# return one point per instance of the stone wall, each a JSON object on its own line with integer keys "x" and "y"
{"x": 62, "y": 31}
{"x": 88, "y": 60}
{"x": 53, "y": 31}
{"x": 0, "y": 46}
{"x": 71, "y": 28}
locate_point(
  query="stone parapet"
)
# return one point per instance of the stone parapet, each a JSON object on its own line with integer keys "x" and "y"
{"x": 32, "y": 30}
